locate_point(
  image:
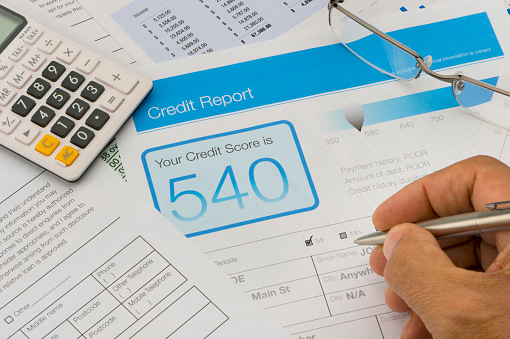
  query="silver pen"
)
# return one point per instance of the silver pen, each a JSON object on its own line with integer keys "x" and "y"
{"x": 495, "y": 219}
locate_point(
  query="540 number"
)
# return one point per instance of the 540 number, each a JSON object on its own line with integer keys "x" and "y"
{"x": 228, "y": 178}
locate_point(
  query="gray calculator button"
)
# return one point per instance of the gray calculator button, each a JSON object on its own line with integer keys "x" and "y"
{"x": 82, "y": 137}
{"x": 97, "y": 119}
{"x": 43, "y": 116}
{"x": 23, "y": 106}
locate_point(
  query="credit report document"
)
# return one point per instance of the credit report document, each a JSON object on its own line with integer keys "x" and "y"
{"x": 95, "y": 260}
{"x": 272, "y": 158}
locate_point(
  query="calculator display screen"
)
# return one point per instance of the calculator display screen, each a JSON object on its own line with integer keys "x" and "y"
{"x": 11, "y": 24}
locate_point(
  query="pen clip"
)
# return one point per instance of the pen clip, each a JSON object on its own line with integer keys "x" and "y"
{"x": 497, "y": 205}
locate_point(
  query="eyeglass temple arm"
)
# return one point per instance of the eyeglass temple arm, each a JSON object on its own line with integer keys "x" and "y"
{"x": 421, "y": 63}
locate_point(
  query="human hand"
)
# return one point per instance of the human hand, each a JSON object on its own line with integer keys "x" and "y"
{"x": 459, "y": 287}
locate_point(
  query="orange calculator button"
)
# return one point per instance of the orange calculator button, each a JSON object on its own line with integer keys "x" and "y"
{"x": 47, "y": 145}
{"x": 67, "y": 155}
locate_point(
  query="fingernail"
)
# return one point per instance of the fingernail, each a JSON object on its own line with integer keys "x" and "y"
{"x": 406, "y": 327}
{"x": 392, "y": 239}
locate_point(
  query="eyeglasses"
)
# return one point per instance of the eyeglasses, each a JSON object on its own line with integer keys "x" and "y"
{"x": 395, "y": 59}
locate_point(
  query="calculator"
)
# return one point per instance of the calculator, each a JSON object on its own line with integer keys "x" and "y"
{"x": 60, "y": 102}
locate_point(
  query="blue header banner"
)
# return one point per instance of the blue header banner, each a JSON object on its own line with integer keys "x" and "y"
{"x": 214, "y": 92}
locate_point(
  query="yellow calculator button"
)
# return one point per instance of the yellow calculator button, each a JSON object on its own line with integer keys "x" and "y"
{"x": 47, "y": 145}
{"x": 67, "y": 155}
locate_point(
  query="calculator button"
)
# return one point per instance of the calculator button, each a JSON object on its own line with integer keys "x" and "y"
{"x": 43, "y": 116}
{"x": 19, "y": 77}
{"x": 39, "y": 88}
{"x": 67, "y": 155}
{"x": 62, "y": 127}
{"x": 6, "y": 95}
{"x": 111, "y": 101}
{"x": 92, "y": 91}
{"x": 49, "y": 44}
{"x": 26, "y": 134}
{"x": 18, "y": 52}
{"x": 73, "y": 81}
{"x": 97, "y": 119}
{"x": 68, "y": 53}
{"x": 34, "y": 61}
{"x": 53, "y": 71}
{"x": 77, "y": 109}
{"x": 58, "y": 98}
{"x": 32, "y": 36}
{"x": 8, "y": 123}
{"x": 5, "y": 68}
{"x": 82, "y": 137}
{"x": 47, "y": 145}
{"x": 116, "y": 78}
{"x": 23, "y": 106}
{"x": 87, "y": 64}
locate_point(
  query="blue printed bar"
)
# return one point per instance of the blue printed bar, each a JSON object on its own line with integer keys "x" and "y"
{"x": 297, "y": 75}
{"x": 401, "y": 107}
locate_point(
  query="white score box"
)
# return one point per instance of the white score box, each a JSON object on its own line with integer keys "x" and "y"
{"x": 231, "y": 179}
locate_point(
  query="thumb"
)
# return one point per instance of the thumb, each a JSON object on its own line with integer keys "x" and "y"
{"x": 417, "y": 268}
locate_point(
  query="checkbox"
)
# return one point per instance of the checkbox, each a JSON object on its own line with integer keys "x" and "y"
{"x": 343, "y": 235}
{"x": 9, "y": 320}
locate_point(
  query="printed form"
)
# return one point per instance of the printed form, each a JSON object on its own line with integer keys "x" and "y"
{"x": 272, "y": 158}
{"x": 94, "y": 260}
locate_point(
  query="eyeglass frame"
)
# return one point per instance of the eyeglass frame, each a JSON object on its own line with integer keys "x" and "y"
{"x": 454, "y": 80}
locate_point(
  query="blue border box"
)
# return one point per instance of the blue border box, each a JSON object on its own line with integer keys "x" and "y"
{"x": 310, "y": 186}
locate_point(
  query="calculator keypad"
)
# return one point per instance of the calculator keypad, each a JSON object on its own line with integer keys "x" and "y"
{"x": 60, "y": 103}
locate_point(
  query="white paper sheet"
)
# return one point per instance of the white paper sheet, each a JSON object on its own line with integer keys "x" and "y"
{"x": 159, "y": 30}
{"x": 248, "y": 152}
{"x": 92, "y": 259}
{"x": 74, "y": 21}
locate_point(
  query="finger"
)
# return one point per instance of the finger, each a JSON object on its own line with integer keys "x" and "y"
{"x": 417, "y": 267}
{"x": 415, "y": 328}
{"x": 466, "y": 254}
{"x": 459, "y": 188}
{"x": 488, "y": 254}
{"x": 502, "y": 261}
{"x": 377, "y": 260}
{"x": 394, "y": 301}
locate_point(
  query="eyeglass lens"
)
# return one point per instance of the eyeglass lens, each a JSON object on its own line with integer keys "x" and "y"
{"x": 481, "y": 102}
{"x": 371, "y": 48}
{"x": 392, "y": 60}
